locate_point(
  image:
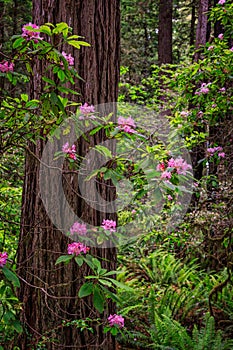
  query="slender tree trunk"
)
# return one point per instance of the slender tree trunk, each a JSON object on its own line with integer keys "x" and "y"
{"x": 192, "y": 25}
{"x": 201, "y": 32}
{"x": 48, "y": 292}
{"x": 165, "y": 32}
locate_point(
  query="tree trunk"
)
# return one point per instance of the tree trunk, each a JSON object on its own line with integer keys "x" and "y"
{"x": 165, "y": 32}
{"x": 192, "y": 25}
{"x": 201, "y": 32}
{"x": 48, "y": 292}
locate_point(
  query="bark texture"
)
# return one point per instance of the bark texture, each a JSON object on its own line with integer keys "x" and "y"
{"x": 202, "y": 26}
{"x": 49, "y": 292}
{"x": 165, "y": 32}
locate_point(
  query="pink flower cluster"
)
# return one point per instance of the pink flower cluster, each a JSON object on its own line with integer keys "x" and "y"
{"x": 87, "y": 109}
{"x": 223, "y": 89}
{"x": 3, "y": 259}
{"x": 126, "y": 124}
{"x": 184, "y": 114}
{"x": 166, "y": 175}
{"x": 69, "y": 150}
{"x": 203, "y": 89}
{"x": 221, "y": 2}
{"x": 69, "y": 59}
{"x": 116, "y": 320}
{"x": 29, "y": 34}
{"x": 6, "y": 67}
{"x": 109, "y": 225}
{"x": 77, "y": 248}
{"x": 78, "y": 228}
{"x": 212, "y": 150}
{"x": 178, "y": 164}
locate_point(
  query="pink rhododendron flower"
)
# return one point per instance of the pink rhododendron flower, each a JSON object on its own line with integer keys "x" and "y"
{"x": 69, "y": 59}
{"x": 109, "y": 225}
{"x": 212, "y": 150}
{"x": 126, "y": 124}
{"x": 78, "y": 228}
{"x": 210, "y": 48}
{"x": 203, "y": 89}
{"x": 223, "y": 89}
{"x": 221, "y": 2}
{"x": 69, "y": 150}
{"x": 116, "y": 320}
{"x": 184, "y": 114}
{"x": 221, "y": 155}
{"x": 133, "y": 211}
{"x": 86, "y": 109}
{"x": 180, "y": 165}
{"x": 166, "y": 175}
{"x": 231, "y": 49}
{"x": 221, "y": 36}
{"x": 29, "y": 34}
{"x": 160, "y": 167}
{"x": 6, "y": 67}
{"x": 77, "y": 248}
{"x": 3, "y": 259}
{"x": 169, "y": 197}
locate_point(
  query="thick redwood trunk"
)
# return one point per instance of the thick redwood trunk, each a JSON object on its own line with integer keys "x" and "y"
{"x": 49, "y": 292}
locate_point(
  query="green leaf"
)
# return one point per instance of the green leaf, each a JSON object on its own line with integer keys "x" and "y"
{"x": 113, "y": 272}
{"x": 74, "y": 43}
{"x": 114, "y": 331}
{"x": 64, "y": 259}
{"x": 61, "y": 75}
{"x": 24, "y": 97}
{"x": 73, "y": 37}
{"x": 97, "y": 264}
{"x": 92, "y": 174}
{"x": 32, "y": 104}
{"x": 8, "y": 316}
{"x": 45, "y": 29}
{"x": 83, "y": 43}
{"x": 86, "y": 289}
{"x": 105, "y": 283}
{"x": 17, "y": 326}
{"x": 49, "y": 81}
{"x": 120, "y": 285}
{"x": 18, "y": 42}
{"x": 113, "y": 296}
{"x": 79, "y": 260}
{"x": 98, "y": 300}
{"x": 61, "y": 27}
{"x": 11, "y": 276}
{"x": 94, "y": 131}
{"x": 104, "y": 151}
{"x": 88, "y": 261}
{"x": 169, "y": 185}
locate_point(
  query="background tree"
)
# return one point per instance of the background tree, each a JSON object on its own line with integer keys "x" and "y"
{"x": 165, "y": 32}
{"x": 202, "y": 26}
{"x": 49, "y": 294}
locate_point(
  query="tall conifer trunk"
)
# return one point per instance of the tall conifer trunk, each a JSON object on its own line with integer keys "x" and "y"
{"x": 49, "y": 292}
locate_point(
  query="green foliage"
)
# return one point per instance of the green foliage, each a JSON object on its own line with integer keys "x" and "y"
{"x": 9, "y": 305}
